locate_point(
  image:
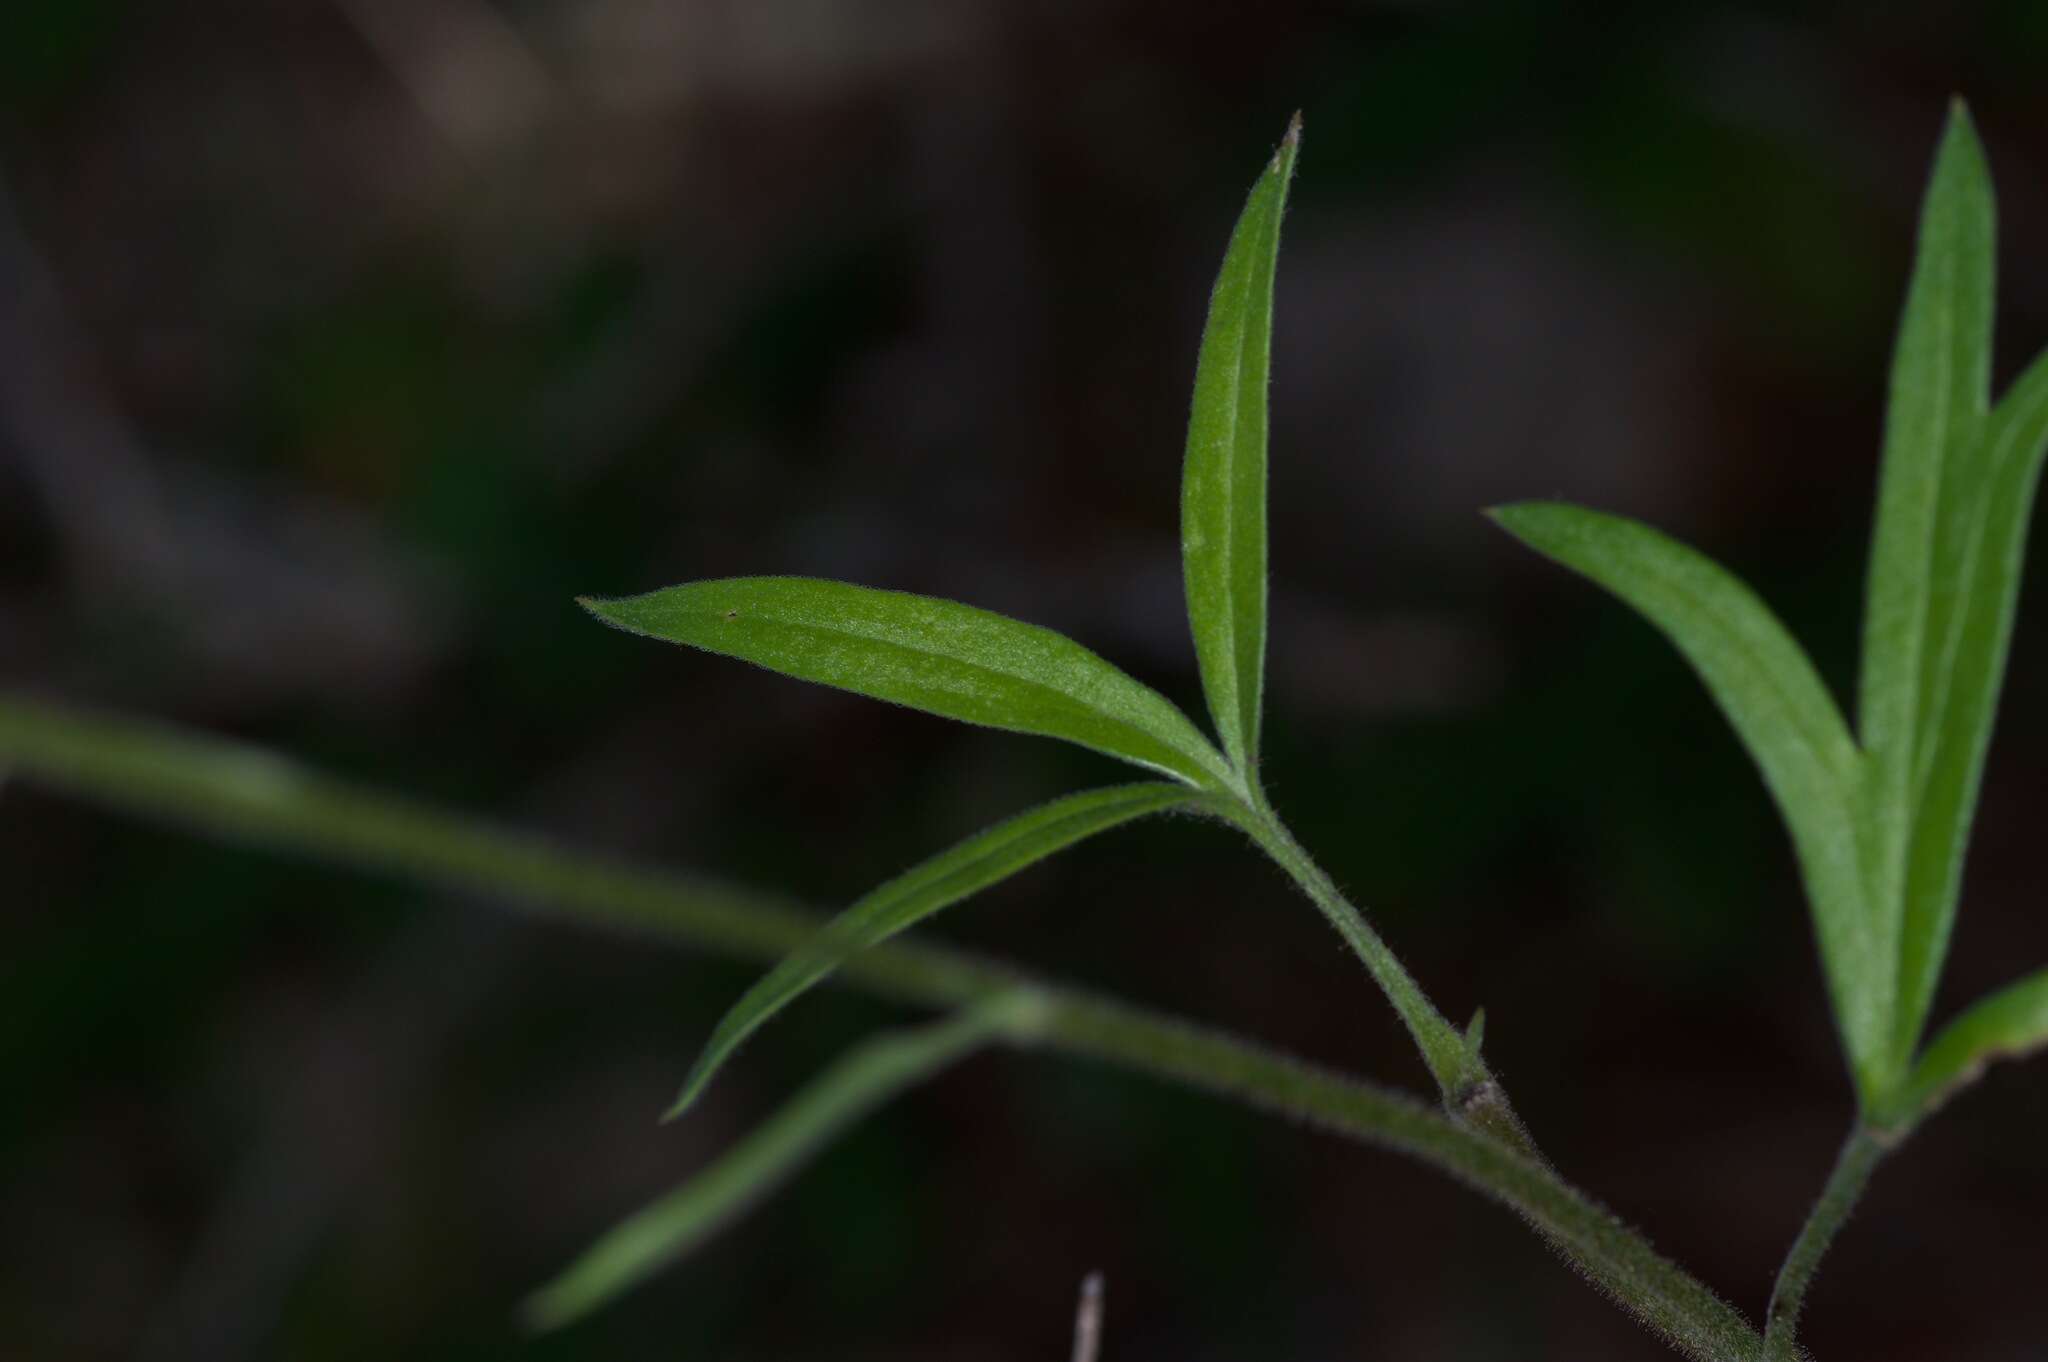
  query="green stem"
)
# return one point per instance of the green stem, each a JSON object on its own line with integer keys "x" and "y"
{"x": 1443, "y": 1048}
{"x": 252, "y": 796}
{"x": 1620, "y": 1262}
{"x": 1470, "y": 1093}
{"x": 1853, "y": 1167}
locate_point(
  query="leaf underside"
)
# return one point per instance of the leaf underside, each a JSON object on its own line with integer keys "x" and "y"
{"x": 935, "y": 884}
{"x": 935, "y": 655}
{"x": 1223, "y": 479}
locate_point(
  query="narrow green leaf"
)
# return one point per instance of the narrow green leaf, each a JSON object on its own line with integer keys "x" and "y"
{"x": 1959, "y": 244}
{"x": 2006, "y": 1025}
{"x": 945, "y": 879}
{"x": 935, "y": 655}
{"x": 1223, "y": 482}
{"x": 1930, "y": 497}
{"x": 1979, "y": 616}
{"x": 1770, "y": 693}
{"x": 860, "y": 1081}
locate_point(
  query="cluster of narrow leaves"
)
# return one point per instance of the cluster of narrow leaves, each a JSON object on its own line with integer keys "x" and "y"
{"x": 969, "y": 664}
{"x": 1880, "y": 820}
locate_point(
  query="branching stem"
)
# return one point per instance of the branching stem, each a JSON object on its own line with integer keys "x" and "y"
{"x": 252, "y": 796}
{"x": 1443, "y": 1048}
{"x": 1471, "y": 1095}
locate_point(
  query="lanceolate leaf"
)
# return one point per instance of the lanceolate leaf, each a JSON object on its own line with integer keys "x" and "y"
{"x": 945, "y": 879}
{"x": 1223, "y": 483}
{"x": 1930, "y": 498}
{"x": 935, "y": 655}
{"x": 862, "y": 1080}
{"x": 1977, "y": 618}
{"x": 2010, "y": 1023}
{"x": 1769, "y": 691}
{"x": 1958, "y": 240}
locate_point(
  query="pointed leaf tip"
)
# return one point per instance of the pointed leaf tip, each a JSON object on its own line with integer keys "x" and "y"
{"x": 935, "y": 655}
{"x": 1475, "y": 1033}
{"x": 1959, "y": 136}
{"x": 719, "y": 1049}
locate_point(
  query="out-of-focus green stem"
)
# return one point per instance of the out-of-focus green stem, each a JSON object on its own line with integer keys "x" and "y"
{"x": 1853, "y": 1167}
{"x": 256, "y": 797}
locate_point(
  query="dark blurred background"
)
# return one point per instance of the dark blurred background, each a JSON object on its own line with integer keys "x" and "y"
{"x": 343, "y": 341}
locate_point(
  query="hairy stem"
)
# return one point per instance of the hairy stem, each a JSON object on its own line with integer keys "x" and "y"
{"x": 1853, "y": 1167}
{"x": 1443, "y": 1048}
{"x": 252, "y": 796}
{"x": 1471, "y": 1095}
